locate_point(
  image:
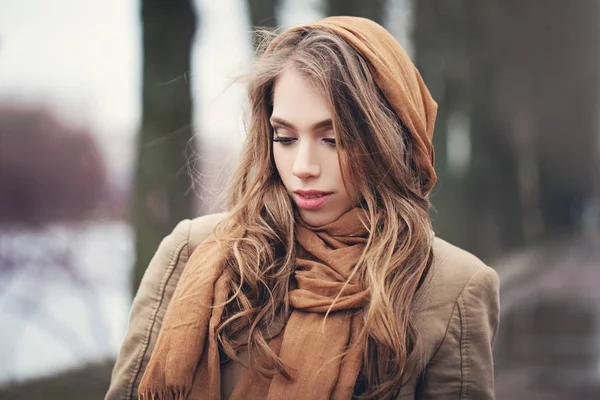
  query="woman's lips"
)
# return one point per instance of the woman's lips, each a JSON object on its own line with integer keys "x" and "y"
{"x": 311, "y": 199}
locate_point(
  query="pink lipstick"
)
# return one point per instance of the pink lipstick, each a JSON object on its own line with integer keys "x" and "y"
{"x": 311, "y": 199}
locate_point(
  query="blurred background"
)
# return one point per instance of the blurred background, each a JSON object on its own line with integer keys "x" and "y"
{"x": 107, "y": 109}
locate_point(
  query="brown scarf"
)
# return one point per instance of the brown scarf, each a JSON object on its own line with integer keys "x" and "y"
{"x": 185, "y": 363}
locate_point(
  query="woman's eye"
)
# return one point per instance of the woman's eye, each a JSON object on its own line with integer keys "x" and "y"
{"x": 330, "y": 141}
{"x": 284, "y": 140}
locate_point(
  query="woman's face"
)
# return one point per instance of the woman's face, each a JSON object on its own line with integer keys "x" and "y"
{"x": 304, "y": 150}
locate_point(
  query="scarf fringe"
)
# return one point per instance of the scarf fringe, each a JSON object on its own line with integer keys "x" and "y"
{"x": 173, "y": 393}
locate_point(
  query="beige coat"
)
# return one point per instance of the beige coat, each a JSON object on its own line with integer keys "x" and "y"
{"x": 456, "y": 312}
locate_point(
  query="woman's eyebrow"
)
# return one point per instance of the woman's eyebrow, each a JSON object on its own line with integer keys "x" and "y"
{"x": 281, "y": 121}
{"x": 326, "y": 123}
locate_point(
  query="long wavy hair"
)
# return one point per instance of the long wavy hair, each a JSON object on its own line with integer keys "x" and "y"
{"x": 258, "y": 234}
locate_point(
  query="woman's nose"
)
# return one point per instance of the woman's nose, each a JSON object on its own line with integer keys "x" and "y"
{"x": 306, "y": 164}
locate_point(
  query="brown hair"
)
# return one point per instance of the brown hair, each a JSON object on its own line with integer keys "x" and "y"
{"x": 376, "y": 156}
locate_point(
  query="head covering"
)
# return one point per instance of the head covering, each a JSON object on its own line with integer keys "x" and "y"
{"x": 397, "y": 78}
{"x": 323, "y": 353}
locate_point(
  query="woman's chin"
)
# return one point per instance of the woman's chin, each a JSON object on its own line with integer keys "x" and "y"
{"x": 318, "y": 217}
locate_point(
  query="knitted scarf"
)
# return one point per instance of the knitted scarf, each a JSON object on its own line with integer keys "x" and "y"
{"x": 322, "y": 354}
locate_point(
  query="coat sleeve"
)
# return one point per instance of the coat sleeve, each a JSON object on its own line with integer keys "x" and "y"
{"x": 463, "y": 367}
{"x": 147, "y": 312}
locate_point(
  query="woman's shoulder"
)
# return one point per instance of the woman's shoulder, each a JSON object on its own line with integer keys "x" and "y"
{"x": 454, "y": 267}
{"x": 459, "y": 288}
{"x": 457, "y": 313}
{"x": 201, "y": 227}
{"x": 453, "y": 272}
{"x": 185, "y": 237}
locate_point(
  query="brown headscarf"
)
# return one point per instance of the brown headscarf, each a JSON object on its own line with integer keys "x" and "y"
{"x": 397, "y": 78}
{"x": 323, "y": 356}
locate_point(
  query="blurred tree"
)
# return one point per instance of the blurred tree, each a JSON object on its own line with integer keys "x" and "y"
{"x": 48, "y": 171}
{"x": 263, "y": 13}
{"x": 440, "y": 39}
{"x": 492, "y": 192}
{"x": 555, "y": 72}
{"x": 372, "y": 9}
{"x": 50, "y": 174}
{"x": 162, "y": 184}
{"x": 531, "y": 163}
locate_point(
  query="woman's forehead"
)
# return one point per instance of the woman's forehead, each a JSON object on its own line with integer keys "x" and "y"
{"x": 297, "y": 101}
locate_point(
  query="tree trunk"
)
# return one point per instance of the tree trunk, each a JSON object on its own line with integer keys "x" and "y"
{"x": 440, "y": 41}
{"x": 476, "y": 205}
{"x": 161, "y": 196}
{"x": 263, "y": 14}
{"x": 564, "y": 72}
{"x": 372, "y": 9}
{"x": 530, "y": 93}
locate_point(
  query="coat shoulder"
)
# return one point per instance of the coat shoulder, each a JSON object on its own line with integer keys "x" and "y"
{"x": 454, "y": 265}
{"x": 202, "y": 227}
{"x": 455, "y": 273}
{"x": 445, "y": 251}
{"x": 457, "y": 317}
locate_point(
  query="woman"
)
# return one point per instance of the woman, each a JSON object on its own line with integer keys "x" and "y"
{"x": 324, "y": 279}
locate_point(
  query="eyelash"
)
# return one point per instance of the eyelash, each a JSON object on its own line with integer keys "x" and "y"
{"x": 286, "y": 141}
{"x": 330, "y": 142}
